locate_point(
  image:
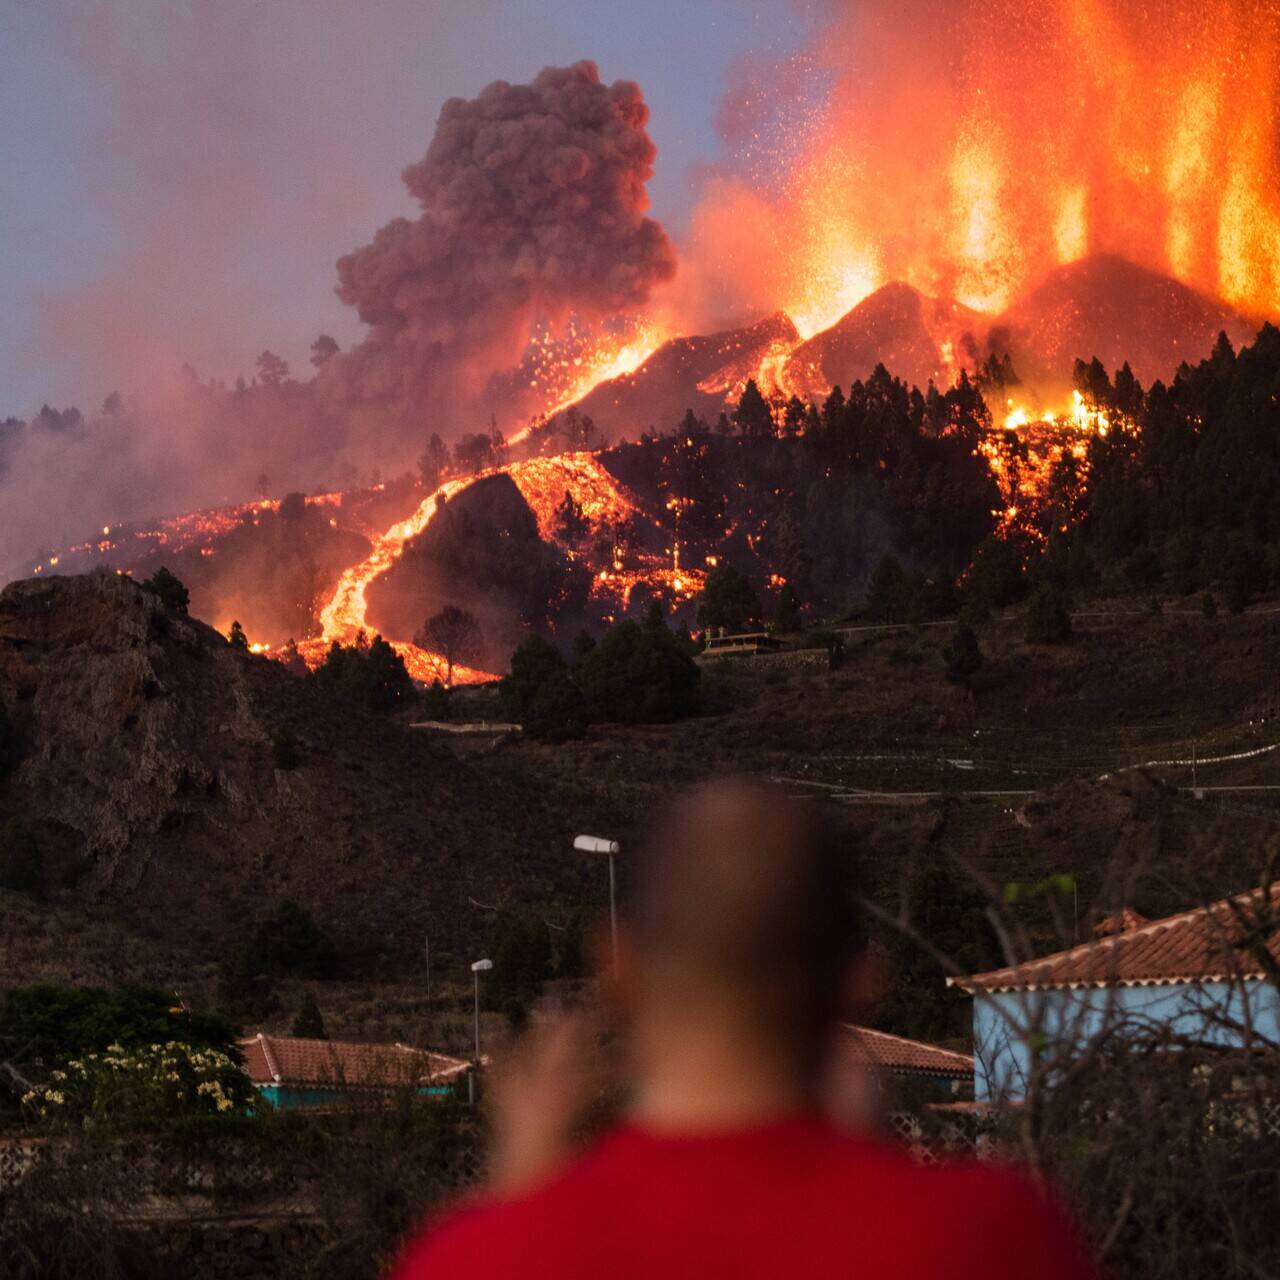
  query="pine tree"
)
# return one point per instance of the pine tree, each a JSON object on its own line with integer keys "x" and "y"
{"x": 309, "y": 1025}
{"x": 962, "y": 656}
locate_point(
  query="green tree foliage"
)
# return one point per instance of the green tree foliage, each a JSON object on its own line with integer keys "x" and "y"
{"x": 962, "y": 656}
{"x": 165, "y": 584}
{"x": 1198, "y": 459}
{"x": 539, "y": 693}
{"x": 996, "y": 577}
{"x": 521, "y": 951}
{"x": 728, "y": 601}
{"x": 888, "y": 591}
{"x": 323, "y": 349}
{"x": 309, "y": 1025}
{"x": 1242, "y": 570}
{"x": 273, "y": 370}
{"x": 946, "y": 912}
{"x": 786, "y": 612}
{"x": 50, "y": 1024}
{"x": 237, "y": 639}
{"x": 1048, "y": 617}
{"x": 455, "y": 635}
{"x": 289, "y": 942}
{"x": 21, "y": 859}
{"x": 570, "y": 525}
{"x": 752, "y": 415}
{"x": 432, "y": 462}
{"x": 639, "y": 674}
{"x": 10, "y": 744}
{"x": 435, "y": 702}
{"x": 373, "y": 674}
{"x": 284, "y": 750}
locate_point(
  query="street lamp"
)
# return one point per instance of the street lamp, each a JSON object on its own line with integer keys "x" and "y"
{"x": 598, "y": 844}
{"x": 480, "y": 966}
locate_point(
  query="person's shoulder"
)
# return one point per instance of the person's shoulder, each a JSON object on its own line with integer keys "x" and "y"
{"x": 1011, "y": 1223}
{"x": 495, "y": 1236}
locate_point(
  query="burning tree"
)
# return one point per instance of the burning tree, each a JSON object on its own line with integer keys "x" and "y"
{"x": 455, "y": 635}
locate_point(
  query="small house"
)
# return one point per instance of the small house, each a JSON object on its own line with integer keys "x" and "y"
{"x": 292, "y": 1073}
{"x": 1206, "y": 974}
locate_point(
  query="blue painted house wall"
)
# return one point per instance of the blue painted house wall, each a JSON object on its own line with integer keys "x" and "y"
{"x": 284, "y": 1097}
{"x": 1007, "y": 1024}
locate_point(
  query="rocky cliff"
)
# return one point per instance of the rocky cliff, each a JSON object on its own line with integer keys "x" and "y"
{"x": 147, "y": 774}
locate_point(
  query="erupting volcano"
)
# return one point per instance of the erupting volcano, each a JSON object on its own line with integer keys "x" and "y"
{"x": 941, "y": 189}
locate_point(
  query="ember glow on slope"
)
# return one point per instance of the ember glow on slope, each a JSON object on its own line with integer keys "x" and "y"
{"x": 969, "y": 147}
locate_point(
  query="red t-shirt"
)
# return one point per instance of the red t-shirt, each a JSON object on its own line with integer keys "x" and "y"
{"x": 793, "y": 1198}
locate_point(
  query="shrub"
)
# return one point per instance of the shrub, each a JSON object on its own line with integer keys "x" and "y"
{"x": 309, "y": 1025}
{"x": 290, "y": 942}
{"x": 21, "y": 860}
{"x": 435, "y": 702}
{"x": 52, "y": 1023}
{"x": 1208, "y": 605}
{"x": 1143, "y": 568}
{"x": 727, "y": 601}
{"x": 521, "y": 951}
{"x": 889, "y": 591}
{"x": 371, "y": 673}
{"x": 1048, "y": 619}
{"x": 786, "y": 613}
{"x": 169, "y": 587}
{"x": 10, "y": 744}
{"x": 149, "y": 1082}
{"x": 540, "y": 694}
{"x": 639, "y": 674}
{"x": 284, "y": 750}
{"x": 962, "y": 656}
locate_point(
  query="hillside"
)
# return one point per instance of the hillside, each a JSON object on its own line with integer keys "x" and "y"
{"x": 1107, "y": 307}
{"x": 896, "y": 326}
{"x": 148, "y": 778}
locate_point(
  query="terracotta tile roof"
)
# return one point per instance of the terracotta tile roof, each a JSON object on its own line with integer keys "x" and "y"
{"x": 911, "y": 1057}
{"x": 1211, "y": 943}
{"x": 289, "y": 1060}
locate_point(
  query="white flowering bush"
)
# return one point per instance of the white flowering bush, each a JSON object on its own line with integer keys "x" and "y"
{"x": 147, "y": 1082}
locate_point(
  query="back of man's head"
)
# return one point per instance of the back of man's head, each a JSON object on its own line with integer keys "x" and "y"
{"x": 745, "y": 908}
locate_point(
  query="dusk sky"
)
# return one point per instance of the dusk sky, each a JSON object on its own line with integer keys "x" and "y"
{"x": 191, "y": 171}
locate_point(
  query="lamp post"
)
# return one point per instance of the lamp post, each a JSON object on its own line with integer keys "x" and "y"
{"x": 480, "y": 966}
{"x": 598, "y": 844}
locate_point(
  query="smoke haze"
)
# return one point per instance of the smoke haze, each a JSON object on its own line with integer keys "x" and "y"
{"x": 534, "y": 201}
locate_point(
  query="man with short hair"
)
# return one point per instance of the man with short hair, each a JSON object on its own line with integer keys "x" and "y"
{"x": 742, "y": 951}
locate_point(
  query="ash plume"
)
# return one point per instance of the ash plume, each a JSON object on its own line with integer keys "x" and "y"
{"x": 533, "y": 208}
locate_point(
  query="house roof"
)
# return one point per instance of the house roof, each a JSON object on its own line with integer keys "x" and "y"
{"x": 1217, "y": 942}
{"x": 291, "y": 1060}
{"x": 905, "y": 1057}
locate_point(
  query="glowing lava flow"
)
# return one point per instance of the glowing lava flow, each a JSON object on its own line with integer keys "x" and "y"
{"x": 343, "y": 619}
{"x": 567, "y": 380}
{"x": 542, "y": 482}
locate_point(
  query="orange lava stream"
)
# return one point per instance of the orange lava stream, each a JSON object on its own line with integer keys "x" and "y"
{"x": 542, "y": 482}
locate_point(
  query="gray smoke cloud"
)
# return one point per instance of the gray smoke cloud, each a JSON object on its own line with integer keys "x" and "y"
{"x": 533, "y": 207}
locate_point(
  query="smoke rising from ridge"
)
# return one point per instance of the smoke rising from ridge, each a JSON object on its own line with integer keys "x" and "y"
{"x": 533, "y": 208}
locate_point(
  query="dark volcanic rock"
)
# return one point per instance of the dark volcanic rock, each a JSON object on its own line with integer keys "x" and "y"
{"x": 1107, "y": 307}
{"x": 685, "y": 373}
{"x": 896, "y": 326}
{"x": 147, "y": 775}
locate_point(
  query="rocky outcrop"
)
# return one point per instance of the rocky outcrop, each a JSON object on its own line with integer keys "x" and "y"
{"x": 147, "y": 775}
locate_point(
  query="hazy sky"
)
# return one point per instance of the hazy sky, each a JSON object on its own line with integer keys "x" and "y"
{"x": 186, "y": 173}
